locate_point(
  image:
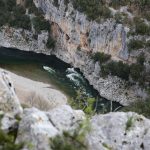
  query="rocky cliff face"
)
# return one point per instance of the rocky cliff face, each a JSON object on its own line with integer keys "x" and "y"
{"x": 120, "y": 131}
{"x": 76, "y": 39}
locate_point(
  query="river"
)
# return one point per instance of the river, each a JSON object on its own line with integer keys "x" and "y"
{"x": 49, "y": 69}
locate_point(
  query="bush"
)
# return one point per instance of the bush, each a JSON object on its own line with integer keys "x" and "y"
{"x": 148, "y": 44}
{"x": 101, "y": 57}
{"x": 135, "y": 71}
{"x": 7, "y": 142}
{"x": 50, "y": 43}
{"x": 142, "y": 29}
{"x": 40, "y": 24}
{"x": 13, "y": 15}
{"x": 71, "y": 141}
{"x": 116, "y": 69}
{"x": 84, "y": 102}
{"x": 141, "y": 59}
{"x": 55, "y": 3}
{"x": 94, "y": 10}
{"x": 140, "y": 107}
{"x": 135, "y": 44}
{"x": 21, "y": 22}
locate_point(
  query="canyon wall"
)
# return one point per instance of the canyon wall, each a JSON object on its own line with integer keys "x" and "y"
{"x": 76, "y": 39}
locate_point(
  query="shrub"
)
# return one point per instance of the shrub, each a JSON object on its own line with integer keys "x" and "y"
{"x": 135, "y": 71}
{"x": 71, "y": 141}
{"x": 50, "y": 43}
{"x": 93, "y": 9}
{"x": 135, "y": 44}
{"x": 21, "y": 22}
{"x": 55, "y": 3}
{"x": 101, "y": 57}
{"x": 140, "y": 107}
{"x": 129, "y": 123}
{"x": 148, "y": 44}
{"x": 40, "y": 23}
{"x": 84, "y": 102}
{"x": 7, "y": 140}
{"x": 142, "y": 29}
{"x": 141, "y": 59}
{"x": 116, "y": 69}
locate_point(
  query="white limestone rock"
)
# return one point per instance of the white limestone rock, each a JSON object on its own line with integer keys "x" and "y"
{"x": 37, "y": 127}
{"x": 9, "y": 102}
{"x": 115, "y": 131}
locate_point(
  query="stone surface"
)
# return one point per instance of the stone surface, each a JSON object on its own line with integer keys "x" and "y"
{"x": 116, "y": 131}
{"x": 36, "y": 127}
{"x": 113, "y": 131}
{"x": 9, "y": 102}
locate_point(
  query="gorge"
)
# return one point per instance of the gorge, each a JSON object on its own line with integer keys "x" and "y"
{"x": 51, "y": 51}
{"x": 50, "y": 70}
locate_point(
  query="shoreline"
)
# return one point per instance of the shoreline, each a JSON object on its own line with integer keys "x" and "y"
{"x": 35, "y": 93}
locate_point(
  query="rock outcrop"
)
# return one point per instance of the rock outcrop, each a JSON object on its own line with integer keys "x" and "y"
{"x": 9, "y": 102}
{"x": 118, "y": 131}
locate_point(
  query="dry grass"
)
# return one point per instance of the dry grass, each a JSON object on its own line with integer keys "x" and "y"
{"x": 35, "y": 100}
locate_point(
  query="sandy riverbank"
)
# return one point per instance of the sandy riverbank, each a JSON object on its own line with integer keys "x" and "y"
{"x": 38, "y": 94}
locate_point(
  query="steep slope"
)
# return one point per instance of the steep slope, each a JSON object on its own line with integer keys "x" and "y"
{"x": 77, "y": 39}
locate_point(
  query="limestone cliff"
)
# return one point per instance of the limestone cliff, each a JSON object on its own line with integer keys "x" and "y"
{"x": 77, "y": 38}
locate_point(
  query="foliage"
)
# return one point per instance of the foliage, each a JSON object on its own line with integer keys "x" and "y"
{"x": 82, "y": 101}
{"x": 40, "y": 24}
{"x": 142, "y": 28}
{"x": 13, "y": 15}
{"x": 107, "y": 146}
{"x": 101, "y": 57}
{"x": 116, "y": 69}
{"x": 94, "y": 10}
{"x": 71, "y": 141}
{"x": 141, "y": 107}
{"x": 50, "y": 43}
{"x": 7, "y": 140}
{"x": 141, "y": 59}
{"x": 129, "y": 123}
{"x": 55, "y": 3}
{"x": 135, "y": 71}
{"x": 135, "y": 44}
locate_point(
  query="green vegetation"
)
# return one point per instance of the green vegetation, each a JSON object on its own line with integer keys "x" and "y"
{"x": 142, "y": 28}
{"x": 129, "y": 123}
{"x": 95, "y": 10}
{"x": 71, "y": 141}
{"x": 107, "y": 146}
{"x": 136, "y": 70}
{"x": 135, "y": 44}
{"x": 140, "y": 107}
{"x": 55, "y": 3}
{"x": 13, "y": 15}
{"x": 7, "y": 140}
{"x": 82, "y": 101}
{"x": 50, "y": 42}
{"x": 119, "y": 69}
{"x": 40, "y": 23}
{"x": 101, "y": 57}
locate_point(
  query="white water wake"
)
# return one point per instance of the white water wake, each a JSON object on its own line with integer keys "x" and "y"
{"x": 50, "y": 70}
{"x": 74, "y": 76}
